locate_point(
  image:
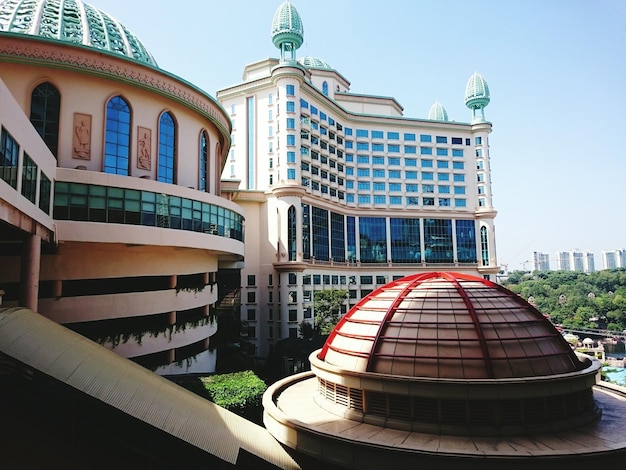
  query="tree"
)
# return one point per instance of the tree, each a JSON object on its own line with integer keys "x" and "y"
{"x": 327, "y": 306}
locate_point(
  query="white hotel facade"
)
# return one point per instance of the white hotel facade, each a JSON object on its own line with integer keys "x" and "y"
{"x": 342, "y": 191}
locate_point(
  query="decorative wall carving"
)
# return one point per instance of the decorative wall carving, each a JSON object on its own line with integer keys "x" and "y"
{"x": 144, "y": 148}
{"x": 81, "y": 147}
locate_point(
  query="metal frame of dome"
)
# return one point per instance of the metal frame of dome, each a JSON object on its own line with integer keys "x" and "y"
{"x": 73, "y": 22}
{"x": 470, "y": 304}
{"x": 365, "y": 386}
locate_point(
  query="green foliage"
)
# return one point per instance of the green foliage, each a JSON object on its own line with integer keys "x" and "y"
{"x": 576, "y": 299}
{"x": 235, "y": 392}
{"x": 327, "y": 307}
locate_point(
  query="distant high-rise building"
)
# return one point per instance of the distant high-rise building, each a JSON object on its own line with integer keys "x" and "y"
{"x": 614, "y": 259}
{"x": 541, "y": 261}
{"x": 575, "y": 260}
{"x": 563, "y": 261}
{"x": 589, "y": 262}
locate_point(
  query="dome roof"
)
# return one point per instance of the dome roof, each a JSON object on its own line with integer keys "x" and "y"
{"x": 287, "y": 26}
{"x": 314, "y": 63}
{"x": 447, "y": 326}
{"x": 74, "y": 22}
{"x": 438, "y": 113}
{"x": 476, "y": 92}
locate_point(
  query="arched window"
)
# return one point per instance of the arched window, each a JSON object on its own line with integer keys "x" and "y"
{"x": 484, "y": 245}
{"x": 117, "y": 137}
{"x": 204, "y": 162}
{"x": 45, "y": 106}
{"x": 325, "y": 88}
{"x": 167, "y": 149}
{"x": 291, "y": 233}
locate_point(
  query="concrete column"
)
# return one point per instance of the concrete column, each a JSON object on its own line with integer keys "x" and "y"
{"x": 57, "y": 288}
{"x": 29, "y": 272}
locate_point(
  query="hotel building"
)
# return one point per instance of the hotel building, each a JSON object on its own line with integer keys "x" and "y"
{"x": 345, "y": 192}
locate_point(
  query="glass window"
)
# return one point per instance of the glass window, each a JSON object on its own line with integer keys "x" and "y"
{"x": 428, "y": 188}
{"x": 457, "y": 141}
{"x": 291, "y": 139}
{"x": 251, "y": 280}
{"x": 427, "y": 163}
{"x": 441, "y": 139}
{"x": 204, "y": 161}
{"x": 117, "y": 139}
{"x": 426, "y": 151}
{"x": 380, "y": 186}
{"x": 442, "y": 164}
{"x": 393, "y": 148}
{"x": 443, "y": 176}
{"x": 466, "y": 241}
{"x": 478, "y": 140}
{"x": 167, "y": 149}
{"x": 428, "y": 176}
{"x": 405, "y": 240}
{"x": 9, "y": 158}
{"x": 337, "y": 234}
{"x": 411, "y": 188}
{"x": 409, "y": 136}
{"x": 393, "y": 161}
{"x": 361, "y": 133}
{"x": 303, "y": 104}
{"x": 429, "y": 201}
{"x": 393, "y": 135}
{"x": 376, "y": 134}
{"x": 412, "y": 201}
{"x": 438, "y": 241}
{"x": 29, "y": 178}
{"x": 379, "y": 199}
{"x": 457, "y": 152}
{"x": 320, "y": 232}
{"x": 45, "y": 187}
{"x": 378, "y": 147}
{"x": 442, "y": 152}
{"x": 251, "y": 297}
{"x": 395, "y": 200}
{"x": 291, "y": 174}
{"x": 45, "y": 107}
{"x": 460, "y": 202}
{"x": 426, "y": 138}
{"x": 364, "y": 172}
{"x": 459, "y": 190}
{"x": 411, "y": 175}
{"x": 322, "y": 116}
{"x": 347, "y": 131}
{"x": 373, "y": 241}
{"x": 484, "y": 246}
{"x": 443, "y": 189}
{"x": 444, "y": 201}
{"x": 362, "y": 146}
{"x": 291, "y": 106}
{"x": 459, "y": 178}
{"x": 395, "y": 187}
{"x": 394, "y": 174}
{"x": 410, "y": 162}
{"x": 290, "y": 90}
{"x": 363, "y": 185}
{"x": 362, "y": 159}
{"x": 458, "y": 165}
{"x": 410, "y": 149}
{"x": 378, "y": 160}
{"x": 291, "y": 123}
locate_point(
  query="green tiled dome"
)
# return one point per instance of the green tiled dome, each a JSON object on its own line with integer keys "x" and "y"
{"x": 438, "y": 113}
{"x": 74, "y": 22}
{"x": 314, "y": 63}
{"x": 287, "y": 26}
{"x": 476, "y": 92}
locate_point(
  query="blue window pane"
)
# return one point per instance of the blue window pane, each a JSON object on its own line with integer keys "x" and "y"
{"x": 117, "y": 137}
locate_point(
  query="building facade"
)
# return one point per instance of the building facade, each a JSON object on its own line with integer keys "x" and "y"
{"x": 344, "y": 191}
{"x": 111, "y": 215}
{"x": 614, "y": 259}
{"x": 575, "y": 260}
{"x": 541, "y": 261}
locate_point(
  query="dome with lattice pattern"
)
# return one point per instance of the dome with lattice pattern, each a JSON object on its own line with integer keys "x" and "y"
{"x": 73, "y": 22}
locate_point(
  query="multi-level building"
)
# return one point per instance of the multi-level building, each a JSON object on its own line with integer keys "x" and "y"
{"x": 342, "y": 191}
{"x": 111, "y": 218}
{"x": 575, "y": 260}
{"x": 614, "y": 259}
{"x": 541, "y": 261}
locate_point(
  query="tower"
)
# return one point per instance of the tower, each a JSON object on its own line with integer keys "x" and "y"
{"x": 287, "y": 32}
{"x": 477, "y": 97}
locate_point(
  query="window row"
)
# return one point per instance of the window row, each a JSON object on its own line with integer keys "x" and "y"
{"x": 83, "y": 202}
{"x": 44, "y": 115}
{"x": 327, "y": 235}
{"x": 33, "y": 183}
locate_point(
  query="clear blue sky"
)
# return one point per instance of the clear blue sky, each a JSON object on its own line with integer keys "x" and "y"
{"x": 556, "y": 70}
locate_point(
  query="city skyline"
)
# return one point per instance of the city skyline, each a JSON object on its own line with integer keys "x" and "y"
{"x": 553, "y": 68}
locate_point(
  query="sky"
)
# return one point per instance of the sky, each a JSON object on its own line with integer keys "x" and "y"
{"x": 556, "y": 70}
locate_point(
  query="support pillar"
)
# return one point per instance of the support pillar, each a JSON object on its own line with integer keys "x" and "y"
{"x": 29, "y": 272}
